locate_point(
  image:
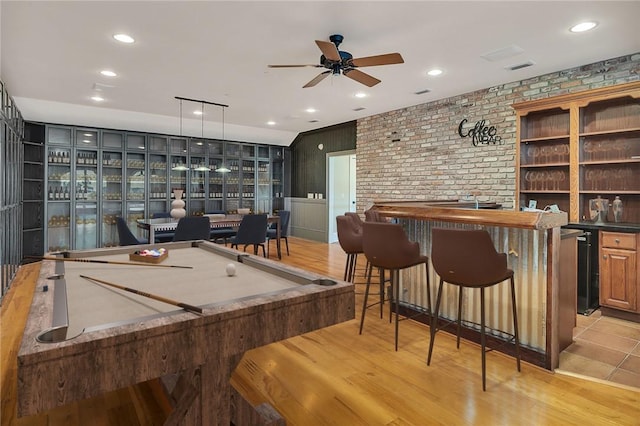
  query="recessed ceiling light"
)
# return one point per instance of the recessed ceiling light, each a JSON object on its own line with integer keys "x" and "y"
{"x": 271, "y": 123}
{"x": 583, "y": 26}
{"x": 197, "y": 112}
{"x": 97, "y": 98}
{"x": 361, "y": 95}
{"x": 108, "y": 73}
{"x": 124, "y": 38}
{"x": 310, "y": 110}
{"x": 434, "y": 72}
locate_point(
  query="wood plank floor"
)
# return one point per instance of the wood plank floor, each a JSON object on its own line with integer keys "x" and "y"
{"x": 334, "y": 376}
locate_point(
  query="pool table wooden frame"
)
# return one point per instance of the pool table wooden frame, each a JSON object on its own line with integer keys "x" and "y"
{"x": 201, "y": 350}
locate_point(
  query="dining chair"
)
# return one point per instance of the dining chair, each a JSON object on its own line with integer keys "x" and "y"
{"x": 252, "y": 231}
{"x": 467, "y": 258}
{"x": 387, "y": 247}
{"x": 125, "y": 236}
{"x": 221, "y": 233}
{"x": 192, "y": 228}
{"x": 272, "y": 231}
{"x": 162, "y": 236}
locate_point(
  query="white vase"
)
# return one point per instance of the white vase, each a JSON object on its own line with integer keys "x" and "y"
{"x": 177, "y": 205}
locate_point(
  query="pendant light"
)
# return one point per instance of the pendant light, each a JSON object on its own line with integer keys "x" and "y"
{"x": 202, "y": 167}
{"x": 179, "y": 166}
{"x": 223, "y": 168}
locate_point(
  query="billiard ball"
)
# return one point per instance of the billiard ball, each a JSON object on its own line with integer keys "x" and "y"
{"x": 231, "y": 269}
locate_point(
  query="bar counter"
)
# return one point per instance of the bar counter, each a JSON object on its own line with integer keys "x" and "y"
{"x": 536, "y": 248}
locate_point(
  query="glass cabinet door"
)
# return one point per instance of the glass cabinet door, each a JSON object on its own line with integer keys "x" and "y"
{"x": 277, "y": 178}
{"x": 248, "y": 184}
{"x": 264, "y": 187}
{"x": 197, "y": 181}
{"x": 111, "y": 196}
{"x": 158, "y": 189}
{"x": 86, "y": 196}
{"x": 178, "y": 175}
{"x": 232, "y": 186}
{"x": 135, "y": 190}
{"x": 59, "y": 193}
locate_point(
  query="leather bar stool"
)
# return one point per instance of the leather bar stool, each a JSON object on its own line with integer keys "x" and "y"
{"x": 350, "y": 239}
{"x": 467, "y": 258}
{"x": 387, "y": 247}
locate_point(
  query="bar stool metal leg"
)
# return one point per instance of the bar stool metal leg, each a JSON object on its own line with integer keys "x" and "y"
{"x": 515, "y": 322}
{"x": 483, "y": 341}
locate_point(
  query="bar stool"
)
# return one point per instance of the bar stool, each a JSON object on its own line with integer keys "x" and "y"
{"x": 467, "y": 258}
{"x": 350, "y": 239}
{"x": 387, "y": 247}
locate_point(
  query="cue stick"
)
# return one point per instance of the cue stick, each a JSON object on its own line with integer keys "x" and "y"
{"x": 149, "y": 295}
{"x": 111, "y": 262}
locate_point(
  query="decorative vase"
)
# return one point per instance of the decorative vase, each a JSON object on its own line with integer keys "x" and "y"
{"x": 177, "y": 205}
{"x": 617, "y": 209}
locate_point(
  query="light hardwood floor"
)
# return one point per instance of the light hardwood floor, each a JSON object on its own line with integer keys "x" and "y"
{"x": 335, "y": 376}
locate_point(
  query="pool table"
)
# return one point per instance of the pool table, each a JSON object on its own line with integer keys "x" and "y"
{"x": 112, "y": 338}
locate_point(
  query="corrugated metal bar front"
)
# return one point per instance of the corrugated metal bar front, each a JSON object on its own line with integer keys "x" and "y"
{"x": 527, "y": 256}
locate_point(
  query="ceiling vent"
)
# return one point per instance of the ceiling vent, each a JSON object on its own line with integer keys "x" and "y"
{"x": 504, "y": 53}
{"x": 520, "y": 66}
{"x": 359, "y": 109}
{"x": 100, "y": 86}
{"x": 313, "y": 121}
{"x": 422, "y": 92}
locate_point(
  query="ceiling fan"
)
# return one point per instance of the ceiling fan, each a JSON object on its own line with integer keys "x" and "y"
{"x": 337, "y": 61}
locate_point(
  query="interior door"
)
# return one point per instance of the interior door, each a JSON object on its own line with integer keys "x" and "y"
{"x": 341, "y": 188}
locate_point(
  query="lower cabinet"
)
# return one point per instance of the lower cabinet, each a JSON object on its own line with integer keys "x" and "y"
{"x": 619, "y": 283}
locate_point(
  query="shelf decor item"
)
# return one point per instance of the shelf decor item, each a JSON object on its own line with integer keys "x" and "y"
{"x": 617, "y": 209}
{"x": 598, "y": 209}
{"x": 177, "y": 205}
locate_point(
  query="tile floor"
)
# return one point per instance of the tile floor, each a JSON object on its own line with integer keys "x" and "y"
{"x": 604, "y": 348}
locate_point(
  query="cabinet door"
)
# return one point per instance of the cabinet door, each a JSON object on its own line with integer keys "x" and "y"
{"x": 618, "y": 287}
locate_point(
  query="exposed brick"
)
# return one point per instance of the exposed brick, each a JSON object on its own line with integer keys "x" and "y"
{"x": 432, "y": 161}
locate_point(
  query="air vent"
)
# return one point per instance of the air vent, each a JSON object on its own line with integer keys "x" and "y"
{"x": 100, "y": 86}
{"x": 422, "y": 92}
{"x": 504, "y": 53}
{"x": 520, "y": 66}
{"x": 359, "y": 109}
{"x": 313, "y": 121}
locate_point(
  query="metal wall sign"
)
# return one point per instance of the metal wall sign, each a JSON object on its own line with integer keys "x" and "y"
{"x": 480, "y": 134}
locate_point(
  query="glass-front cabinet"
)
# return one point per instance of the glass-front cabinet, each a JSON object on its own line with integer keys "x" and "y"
{"x": 94, "y": 176}
{"x": 277, "y": 178}
{"x": 60, "y": 189}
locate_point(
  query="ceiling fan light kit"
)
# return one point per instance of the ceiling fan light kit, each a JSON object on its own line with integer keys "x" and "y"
{"x": 340, "y": 62}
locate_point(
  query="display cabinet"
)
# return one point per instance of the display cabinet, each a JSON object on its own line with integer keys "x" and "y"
{"x": 216, "y": 175}
{"x": 60, "y": 187}
{"x": 94, "y": 176}
{"x": 277, "y": 178}
{"x": 580, "y": 151}
{"x": 609, "y": 157}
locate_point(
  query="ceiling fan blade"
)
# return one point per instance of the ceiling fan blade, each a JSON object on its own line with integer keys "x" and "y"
{"x": 329, "y": 50}
{"x": 317, "y": 79}
{"x": 361, "y": 77}
{"x": 369, "y": 61}
{"x": 295, "y": 66}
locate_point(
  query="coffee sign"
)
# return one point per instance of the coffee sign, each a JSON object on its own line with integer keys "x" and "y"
{"x": 480, "y": 134}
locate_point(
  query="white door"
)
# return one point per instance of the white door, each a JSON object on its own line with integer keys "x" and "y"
{"x": 341, "y": 188}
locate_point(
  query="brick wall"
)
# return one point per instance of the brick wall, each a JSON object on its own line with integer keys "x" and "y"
{"x": 416, "y": 153}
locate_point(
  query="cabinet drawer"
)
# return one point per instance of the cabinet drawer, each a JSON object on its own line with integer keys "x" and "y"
{"x": 619, "y": 240}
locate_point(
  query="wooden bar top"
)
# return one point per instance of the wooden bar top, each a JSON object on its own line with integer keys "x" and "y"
{"x": 487, "y": 214}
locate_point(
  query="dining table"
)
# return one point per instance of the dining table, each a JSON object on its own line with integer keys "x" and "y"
{"x": 153, "y": 225}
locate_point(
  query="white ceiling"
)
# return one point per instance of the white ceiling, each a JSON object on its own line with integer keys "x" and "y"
{"x": 52, "y": 52}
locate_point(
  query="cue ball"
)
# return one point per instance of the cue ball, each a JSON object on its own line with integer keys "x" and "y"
{"x": 231, "y": 269}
